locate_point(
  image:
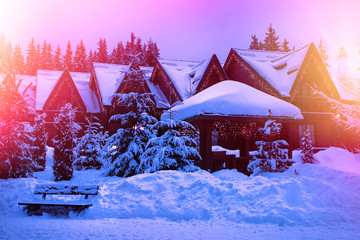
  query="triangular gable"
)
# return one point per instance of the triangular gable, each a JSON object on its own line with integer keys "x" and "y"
{"x": 236, "y": 68}
{"x": 64, "y": 91}
{"x": 313, "y": 73}
{"x": 126, "y": 84}
{"x": 213, "y": 74}
{"x": 160, "y": 78}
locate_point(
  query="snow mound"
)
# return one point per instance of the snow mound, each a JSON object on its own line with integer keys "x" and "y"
{"x": 339, "y": 159}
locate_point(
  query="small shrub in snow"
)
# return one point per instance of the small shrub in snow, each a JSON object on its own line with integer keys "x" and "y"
{"x": 64, "y": 143}
{"x": 306, "y": 147}
{"x": 124, "y": 148}
{"x": 39, "y": 135}
{"x": 171, "y": 150}
{"x": 88, "y": 152}
{"x": 272, "y": 153}
{"x": 15, "y": 138}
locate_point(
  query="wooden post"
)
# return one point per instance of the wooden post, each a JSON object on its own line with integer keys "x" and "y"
{"x": 205, "y": 129}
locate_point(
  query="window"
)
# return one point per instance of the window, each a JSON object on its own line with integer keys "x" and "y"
{"x": 311, "y": 128}
{"x": 214, "y": 138}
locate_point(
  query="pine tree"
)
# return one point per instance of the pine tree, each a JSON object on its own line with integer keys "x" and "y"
{"x": 88, "y": 152}
{"x": 271, "y": 42}
{"x": 39, "y": 136}
{"x": 68, "y": 60}
{"x": 15, "y": 149}
{"x": 323, "y": 53}
{"x": 90, "y": 60}
{"x": 58, "y": 66}
{"x": 31, "y": 59}
{"x": 306, "y": 147}
{"x": 171, "y": 150}
{"x": 80, "y": 64}
{"x": 272, "y": 155}
{"x": 102, "y": 54}
{"x": 151, "y": 54}
{"x": 18, "y": 60}
{"x": 134, "y": 80}
{"x": 64, "y": 142}
{"x": 285, "y": 46}
{"x": 46, "y": 58}
{"x": 3, "y": 65}
{"x": 8, "y": 59}
{"x": 124, "y": 148}
{"x": 130, "y": 49}
{"x": 254, "y": 43}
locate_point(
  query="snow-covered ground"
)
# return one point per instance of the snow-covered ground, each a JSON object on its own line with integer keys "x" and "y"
{"x": 307, "y": 202}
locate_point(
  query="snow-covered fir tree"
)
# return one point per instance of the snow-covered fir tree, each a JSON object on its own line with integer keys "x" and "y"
{"x": 323, "y": 53}
{"x": 272, "y": 153}
{"x": 102, "y": 53}
{"x": 88, "y": 152}
{"x": 124, "y": 148}
{"x": 46, "y": 57}
{"x": 58, "y": 66}
{"x": 68, "y": 59}
{"x": 306, "y": 147}
{"x": 170, "y": 150}
{"x": 18, "y": 60}
{"x": 32, "y": 63}
{"x": 271, "y": 42}
{"x": 39, "y": 136}
{"x": 80, "y": 64}
{"x": 64, "y": 141}
{"x": 15, "y": 139}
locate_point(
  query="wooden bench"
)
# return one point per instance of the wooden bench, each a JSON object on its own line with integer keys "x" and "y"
{"x": 58, "y": 207}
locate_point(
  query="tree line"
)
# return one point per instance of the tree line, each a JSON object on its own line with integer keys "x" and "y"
{"x": 44, "y": 56}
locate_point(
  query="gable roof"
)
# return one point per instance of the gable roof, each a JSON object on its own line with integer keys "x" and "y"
{"x": 187, "y": 76}
{"x": 277, "y": 68}
{"x": 48, "y": 81}
{"x": 109, "y": 77}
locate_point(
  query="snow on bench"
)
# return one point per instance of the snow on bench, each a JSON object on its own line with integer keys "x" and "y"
{"x": 55, "y": 207}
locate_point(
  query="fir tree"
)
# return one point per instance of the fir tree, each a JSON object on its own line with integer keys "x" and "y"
{"x": 68, "y": 60}
{"x": 8, "y": 59}
{"x": 88, "y": 152}
{"x": 90, "y": 60}
{"x": 18, "y": 60}
{"x": 124, "y": 148}
{"x": 57, "y": 60}
{"x": 285, "y": 46}
{"x": 80, "y": 58}
{"x": 272, "y": 155}
{"x": 306, "y": 147}
{"x": 64, "y": 142}
{"x": 271, "y": 42}
{"x": 152, "y": 53}
{"x": 3, "y": 66}
{"x": 254, "y": 43}
{"x": 323, "y": 53}
{"x": 46, "y": 58}
{"x": 102, "y": 54}
{"x": 15, "y": 149}
{"x": 39, "y": 136}
{"x": 31, "y": 59}
{"x": 171, "y": 150}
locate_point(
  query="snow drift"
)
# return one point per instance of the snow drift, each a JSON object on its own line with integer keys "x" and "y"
{"x": 305, "y": 195}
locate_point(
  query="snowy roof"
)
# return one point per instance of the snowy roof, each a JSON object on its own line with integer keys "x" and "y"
{"x": 25, "y": 81}
{"x": 46, "y": 81}
{"x": 185, "y": 75}
{"x": 278, "y": 68}
{"x": 110, "y": 76}
{"x": 232, "y": 98}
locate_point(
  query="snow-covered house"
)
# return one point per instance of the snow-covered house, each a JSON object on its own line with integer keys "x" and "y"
{"x": 56, "y": 88}
{"x": 227, "y": 113}
{"x": 291, "y": 77}
{"x": 179, "y": 80}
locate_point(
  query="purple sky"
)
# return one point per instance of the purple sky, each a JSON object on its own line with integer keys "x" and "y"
{"x": 183, "y": 29}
